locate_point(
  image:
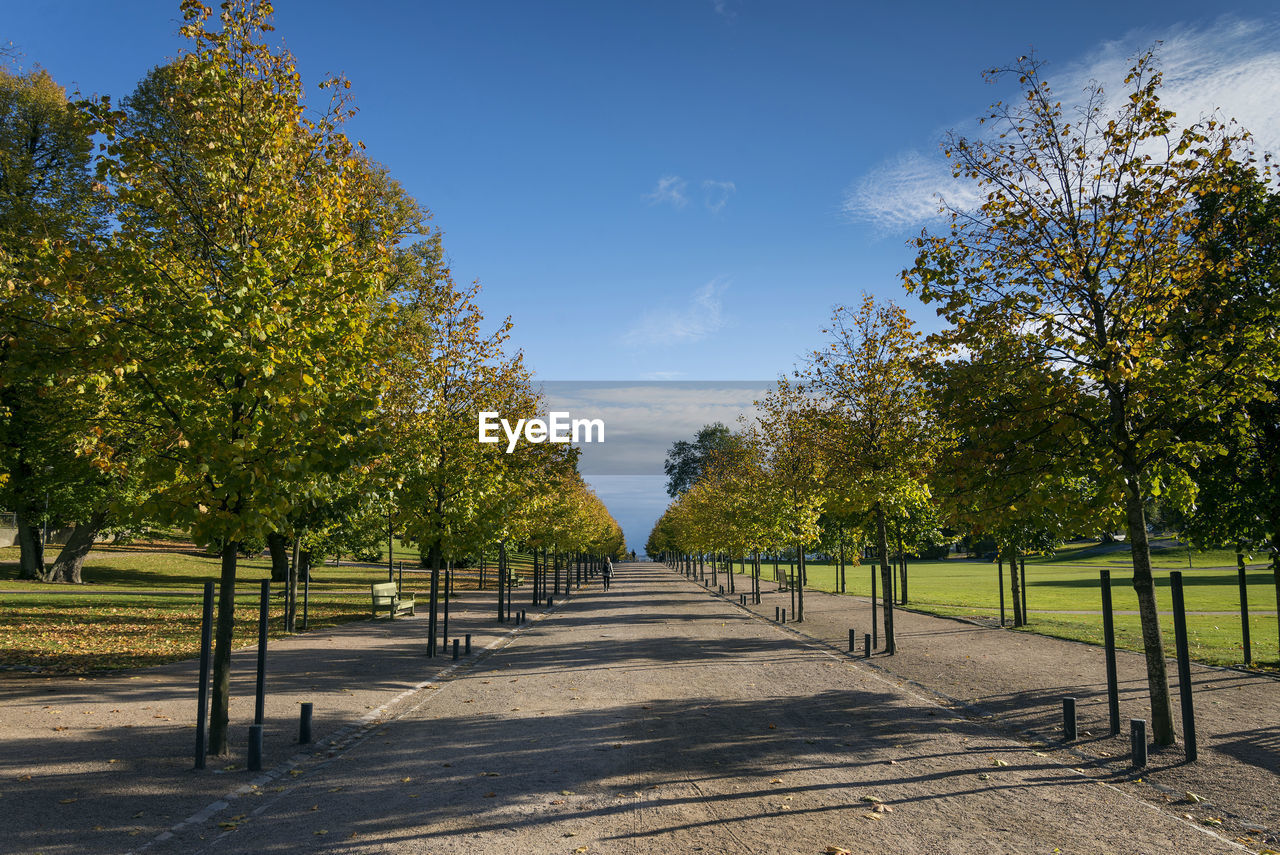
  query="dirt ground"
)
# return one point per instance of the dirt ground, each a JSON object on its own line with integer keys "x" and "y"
{"x": 652, "y": 718}
{"x": 1015, "y": 681}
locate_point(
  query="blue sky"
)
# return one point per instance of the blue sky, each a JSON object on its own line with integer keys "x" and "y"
{"x": 683, "y": 189}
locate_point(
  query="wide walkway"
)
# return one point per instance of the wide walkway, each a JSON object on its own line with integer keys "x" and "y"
{"x": 652, "y": 718}
{"x": 1016, "y": 681}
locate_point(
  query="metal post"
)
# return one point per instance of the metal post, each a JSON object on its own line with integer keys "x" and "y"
{"x": 875, "y": 629}
{"x": 1138, "y": 741}
{"x": 784, "y": 615}
{"x": 852, "y": 636}
{"x": 202, "y": 694}
{"x": 1244, "y": 612}
{"x": 261, "y": 689}
{"x": 455, "y": 648}
{"x": 866, "y": 645}
{"x": 1184, "y": 667}
{"x": 255, "y": 748}
{"x": 1022, "y": 562}
{"x": 1000, "y": 585}
{"x": 1109, "y": 648}
{"x": 468, "y": 650}
{"x": 448, "y": 591}
{"x": 306, "y": 597}
{"x": 304, "y": 723}
{"x": 1069, "y": 719}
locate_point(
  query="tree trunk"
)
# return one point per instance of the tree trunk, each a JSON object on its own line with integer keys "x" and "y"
{"x": 220, "y": 716}
{"x": 1144, "y": 587}
{"x": 1015, "y": 587}
{"x": 31, "y": 551}
{"x": 70, "y": 560}
{"x": 278, "y": 545}
{"x": 886, "y": 580}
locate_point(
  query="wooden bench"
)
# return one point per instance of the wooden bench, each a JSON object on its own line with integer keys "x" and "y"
{"x": 385, "y": 597}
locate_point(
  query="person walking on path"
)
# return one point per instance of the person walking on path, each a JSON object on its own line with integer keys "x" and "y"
{"x": 607, "y": 573}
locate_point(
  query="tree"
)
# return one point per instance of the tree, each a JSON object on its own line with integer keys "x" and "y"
{"x": 247, "y": 265}
{"x": 50, "y": 217}
{"x": 1236, "y": 496}
{"x": 1001, "y": 473}
{"x": 686, "y": 461}
{"x": 788, "y": 437}
{"x": 1089, "y": 248}
{"x": 873, "y": 423}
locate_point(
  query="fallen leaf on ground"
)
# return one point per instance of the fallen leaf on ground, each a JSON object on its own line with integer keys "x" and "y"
{"x": 836, "y": 850}
{"x": 490, "y": 795}
{"x": 998, "y": 762}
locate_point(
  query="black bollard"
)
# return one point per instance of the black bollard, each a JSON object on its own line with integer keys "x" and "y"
{"x": 304, "y": 723}
{"x": 1184, "y": 665}
{"x": 1109, "y": 648}
{"x": 1244, "y": 614}
{"x": 261, "y": 688}
{"x": 1022, "y": 564}
{"x": 866, "y": 645}
{"x": 202, "y": 694}
{"x": 551, "y": 601}
{"x": 1138, "y": 741}
{"x": 455, "y": 648}
{"x": 852, "y": 636}
{"x": 776, "y": 613}
{"x": 875, "y": 627}
{"x": 1069, "y": 719}
{"x": 784, "y": 615}
{"x": 1000, "y": 584}
{"x": 468, "y": 651}
{"x": 255, "y": 748}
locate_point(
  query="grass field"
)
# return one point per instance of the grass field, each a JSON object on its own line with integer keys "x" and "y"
{"x": 140, "y": 605}
{"x": 1064, "y": 597}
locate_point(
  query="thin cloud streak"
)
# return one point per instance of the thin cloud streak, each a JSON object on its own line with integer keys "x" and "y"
{"x": 701, "y": 317}
{"x": 716, "y": 194}
{"x": 671, "y": 189}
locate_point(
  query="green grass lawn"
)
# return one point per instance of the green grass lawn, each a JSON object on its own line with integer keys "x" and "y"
{"x": 140, "y": 605}
{"x": 1060, "y": 584}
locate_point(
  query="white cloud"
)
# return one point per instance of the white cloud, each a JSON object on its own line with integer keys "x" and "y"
{"x": 1231, "y": 67}
{"x": 671, "y": 188}
{"x": 699, "y": 318}
{"x": 716, "y": 194}
{"x": 723, "y": 9}
{"x": 906, "y": 192}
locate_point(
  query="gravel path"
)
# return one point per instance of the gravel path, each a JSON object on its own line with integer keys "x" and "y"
{"x": 1015, "y": 681}
{"x": 104, "y": 764}
{"x": 657, "y": 719}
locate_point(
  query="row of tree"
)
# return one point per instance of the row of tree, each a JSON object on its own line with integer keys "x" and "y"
{"x": 219, "y": 314}
{"x": 1109, "y": 345}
